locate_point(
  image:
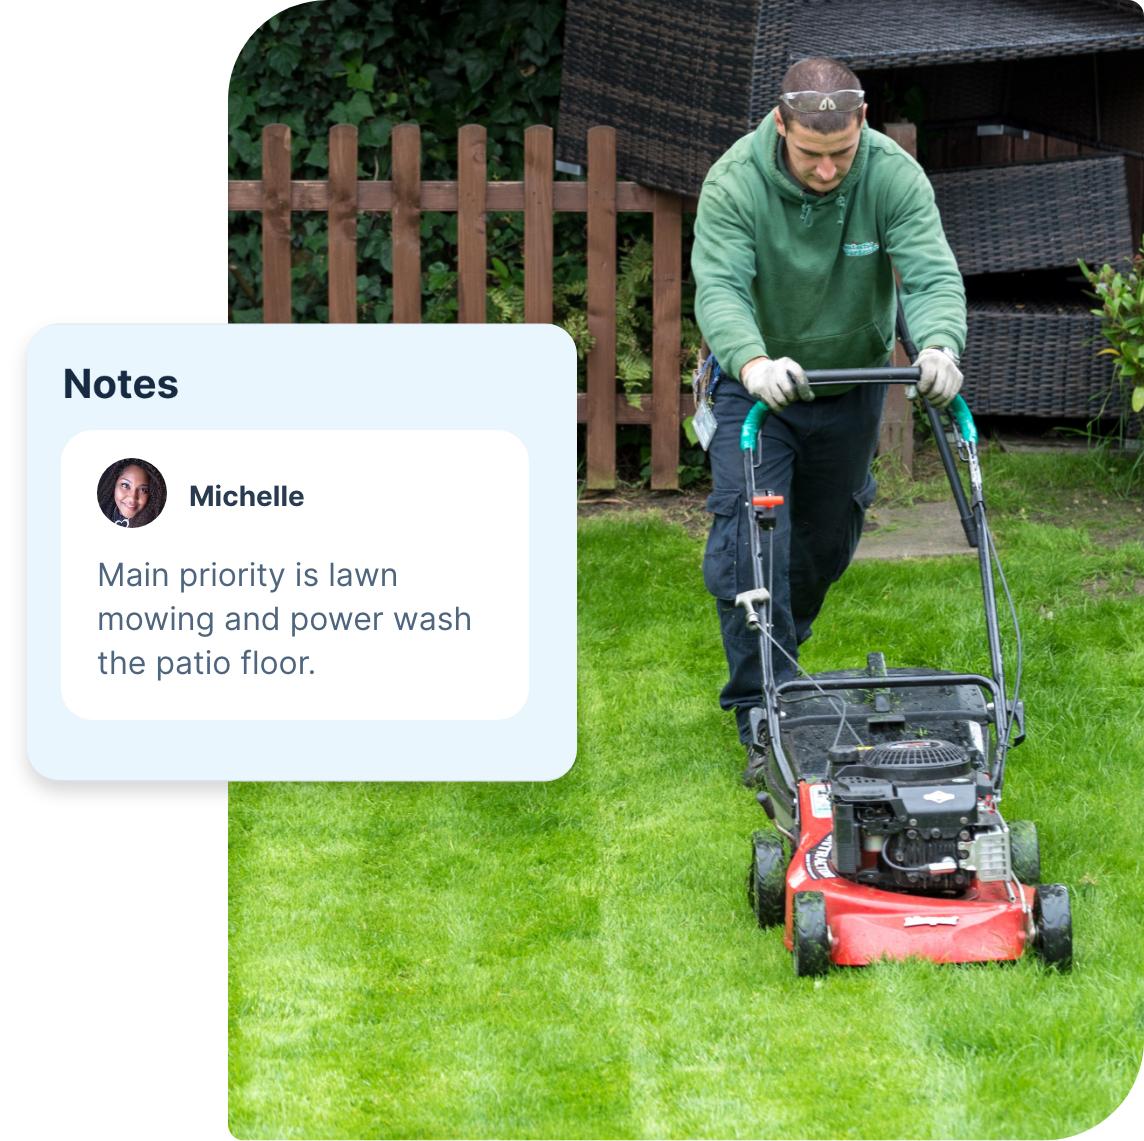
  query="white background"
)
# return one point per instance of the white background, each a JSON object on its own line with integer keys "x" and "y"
{"x": 114, "y": 897}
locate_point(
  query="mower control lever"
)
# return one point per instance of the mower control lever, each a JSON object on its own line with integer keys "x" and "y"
{"x": 748, "y": 600}
{"x": 763, "y": 508}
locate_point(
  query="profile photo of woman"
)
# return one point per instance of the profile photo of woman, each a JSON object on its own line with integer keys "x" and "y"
{"x": 132, "y": 493}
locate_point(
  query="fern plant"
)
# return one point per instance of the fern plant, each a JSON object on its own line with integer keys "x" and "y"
{"x": 633, "y": 313}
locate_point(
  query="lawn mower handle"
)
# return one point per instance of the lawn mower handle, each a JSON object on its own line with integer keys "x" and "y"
{"x": 958, "y": 409}
{"x": 885, "y": 375}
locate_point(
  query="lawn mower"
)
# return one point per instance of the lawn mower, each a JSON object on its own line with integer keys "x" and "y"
{"x": 884, "y": 784}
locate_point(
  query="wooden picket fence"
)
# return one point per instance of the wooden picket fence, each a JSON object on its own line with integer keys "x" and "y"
{"x": 472, "y": 196}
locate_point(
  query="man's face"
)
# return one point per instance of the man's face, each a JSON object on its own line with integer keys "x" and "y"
{"x": 820, "y": 162}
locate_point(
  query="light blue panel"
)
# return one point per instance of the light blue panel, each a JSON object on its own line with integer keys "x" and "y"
{"x": 519, "y": 379}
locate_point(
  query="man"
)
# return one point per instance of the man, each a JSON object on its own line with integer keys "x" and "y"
{"x": 800, "y": 227}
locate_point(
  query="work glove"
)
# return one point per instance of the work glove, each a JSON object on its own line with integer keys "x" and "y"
{"x": 940, "y": 379}
{"x": 776, "y": 383}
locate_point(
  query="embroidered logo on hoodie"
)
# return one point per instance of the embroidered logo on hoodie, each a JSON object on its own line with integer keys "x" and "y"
{"x": 860, "y": 249}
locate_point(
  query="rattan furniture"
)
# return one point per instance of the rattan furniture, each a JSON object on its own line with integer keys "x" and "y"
{"x": 1037, "y": 360}
{"x": 1033, "y": 216}
{"x": 680, "y": 80}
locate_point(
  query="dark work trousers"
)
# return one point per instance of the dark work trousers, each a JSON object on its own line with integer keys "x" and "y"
{"x": 817, "y": 455}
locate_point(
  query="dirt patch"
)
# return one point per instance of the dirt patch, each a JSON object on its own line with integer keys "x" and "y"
{"x": 687, "y": 508}
{"x": 1125, "y": 585}
{"x": 1111, "y": 523}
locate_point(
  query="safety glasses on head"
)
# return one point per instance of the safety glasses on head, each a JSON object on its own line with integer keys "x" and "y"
{"x": 809, "y": 102}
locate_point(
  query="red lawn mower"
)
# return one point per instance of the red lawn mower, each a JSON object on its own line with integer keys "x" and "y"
{"x": 884, "y": 785}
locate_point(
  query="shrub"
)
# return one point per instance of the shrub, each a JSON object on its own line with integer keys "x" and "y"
{"x": 1121, "y": 313}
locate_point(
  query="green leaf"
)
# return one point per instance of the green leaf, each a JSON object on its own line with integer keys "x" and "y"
{"x": 247, "y": 149}
{"x": 479, "y": 70}
{"x": 240, "y": 107}
{"x": 374, "y": 136}
{"x": 318, "y": 155}
{"x": 283, "y": 58}
{"x": 358, "y": 108}
{"x": 295, "y": 120}
{"x": 1138, "y": 398}
{"x": 689, "y": 431}
{"x": 360, "y": 78}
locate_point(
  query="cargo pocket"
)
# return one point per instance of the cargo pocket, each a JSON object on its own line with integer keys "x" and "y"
{"x": 859, "y": 503}
{"x": 721, "y": 557}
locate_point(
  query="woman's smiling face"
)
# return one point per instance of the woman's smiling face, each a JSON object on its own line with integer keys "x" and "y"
{"x": 132, "y": 490}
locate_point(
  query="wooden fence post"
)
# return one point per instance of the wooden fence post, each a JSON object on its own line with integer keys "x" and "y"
{"x": 538, "y": 225}
{"x": 405, "y": 232}
{"x": 343, "y": 217}
{"x": 276, "y": 224}
{"x": 472, "y": 175}
{"x": 667, "y": 271}
{"x": 601, "y": 432}
{"x": 897, "y": 436}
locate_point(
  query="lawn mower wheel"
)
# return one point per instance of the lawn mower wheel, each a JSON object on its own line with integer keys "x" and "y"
{"x": 810, "y": 935}
{"x": 1025, "y": 851}
{"x": 766, "y": 881}
{"x": 1052, "y": 925}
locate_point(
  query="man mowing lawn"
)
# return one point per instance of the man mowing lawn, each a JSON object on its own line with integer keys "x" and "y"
{"x": 800, "y": 227}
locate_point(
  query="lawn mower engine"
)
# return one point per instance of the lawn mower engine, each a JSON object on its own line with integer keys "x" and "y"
{"x": 915, "y": 816}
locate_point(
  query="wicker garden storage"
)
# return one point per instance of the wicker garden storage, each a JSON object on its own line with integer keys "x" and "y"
{"x": 1017, "y": 230}
{"x": 1030, "y": 119}
{"x": 680, "y": 80}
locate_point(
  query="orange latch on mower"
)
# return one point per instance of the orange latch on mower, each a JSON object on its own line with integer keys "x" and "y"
{"x": 764, "y": 506}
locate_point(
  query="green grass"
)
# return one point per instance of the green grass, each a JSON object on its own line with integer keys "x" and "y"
{"x": 1097, "y": 489}
{"x": 577, "y": 959}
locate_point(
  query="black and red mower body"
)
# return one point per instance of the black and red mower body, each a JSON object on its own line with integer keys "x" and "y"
{"x": 867, "y": 923}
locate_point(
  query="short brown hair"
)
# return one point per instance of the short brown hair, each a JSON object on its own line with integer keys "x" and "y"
{"x": 819, "y": 74}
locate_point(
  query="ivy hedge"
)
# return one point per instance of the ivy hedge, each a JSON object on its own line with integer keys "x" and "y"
{"x": 440, "y": 64}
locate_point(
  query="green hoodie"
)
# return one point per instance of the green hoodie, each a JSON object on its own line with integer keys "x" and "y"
{"x": 783, "y": 272}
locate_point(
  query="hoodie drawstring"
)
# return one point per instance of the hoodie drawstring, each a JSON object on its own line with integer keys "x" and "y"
{"x": 804, "y": 214}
